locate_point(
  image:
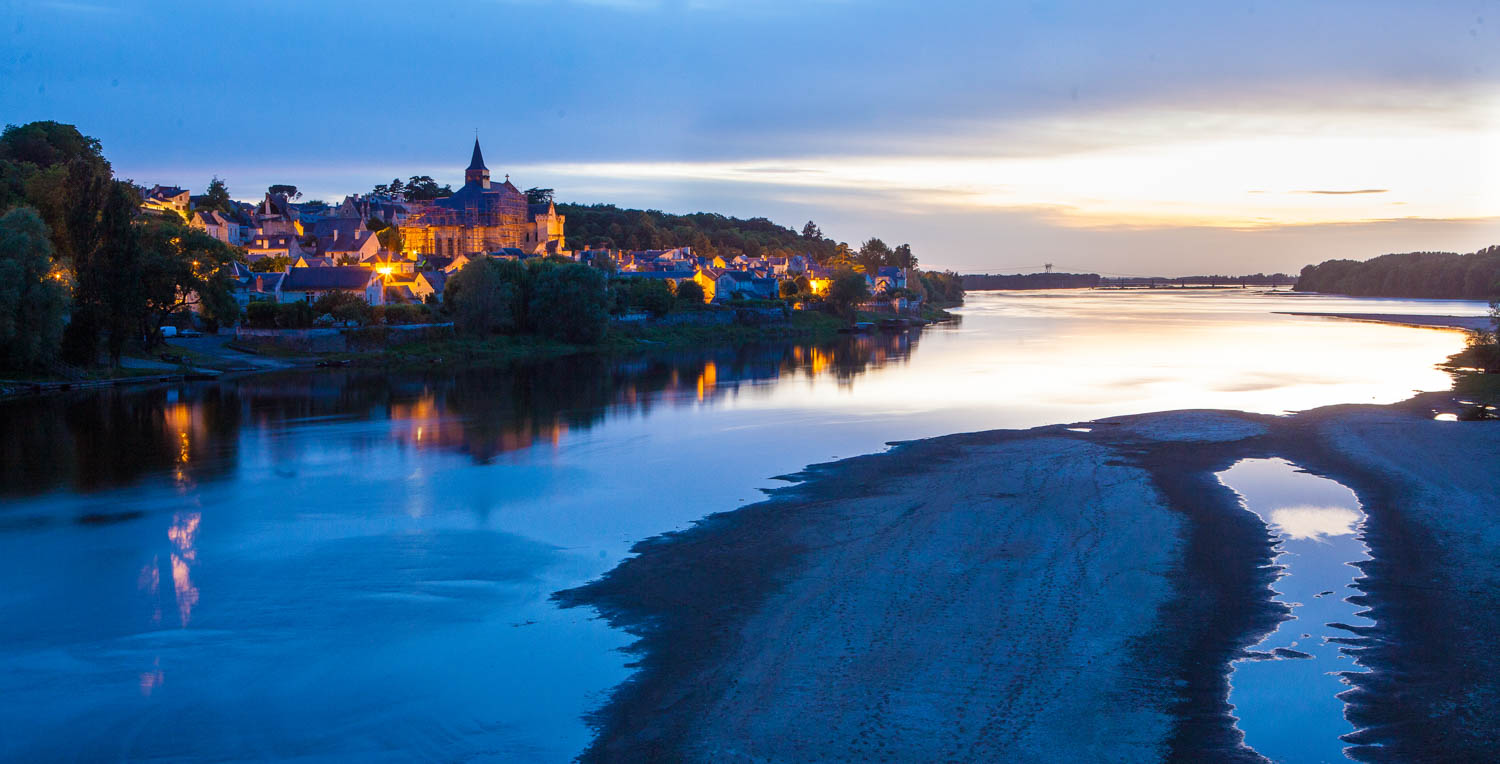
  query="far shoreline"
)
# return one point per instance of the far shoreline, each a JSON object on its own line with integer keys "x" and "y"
{"x": 1420, "y": 321}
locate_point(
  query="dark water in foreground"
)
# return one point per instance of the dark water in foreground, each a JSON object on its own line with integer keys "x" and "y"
{"x": 335, "y": 565}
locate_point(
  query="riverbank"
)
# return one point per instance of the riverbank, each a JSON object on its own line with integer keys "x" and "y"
{"x": 221, "y": 354}
{"x": 1056, "y": 594}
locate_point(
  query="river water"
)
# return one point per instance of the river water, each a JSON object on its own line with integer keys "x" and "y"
{"x": 333, "y": 564}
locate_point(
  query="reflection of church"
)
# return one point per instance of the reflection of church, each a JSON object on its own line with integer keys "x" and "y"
{"x": 484, "y": 218}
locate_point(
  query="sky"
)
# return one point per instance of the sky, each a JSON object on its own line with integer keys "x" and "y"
{"x": 1164, "y": 138}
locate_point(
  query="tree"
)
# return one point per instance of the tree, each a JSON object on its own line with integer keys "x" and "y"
{"x": 63, "y": 175}
{"x": 570, "y": 303}
{"x": 903, "y": 258}
{"x": 872, "y": 255}
{"x": 181, "y": 268}
{"x": 33, "y": 295}
{"x": 538, "y": 196}
{"x": 110, "y": 295}
{"x": 217, "y": 198}
{"x": 287, "y": 190}
{"x": 389, "y": 189}
{"x": 651, "y": 295}
{"x": 690, "y": 294}
{"x": 271, "y": 264}
{"x": 483, "y": 299}
{"x": 848, "y": 289}
{"x": 424, "y": 188}
{"x": 391, "y": 240}
{"x": 811, "y": 231}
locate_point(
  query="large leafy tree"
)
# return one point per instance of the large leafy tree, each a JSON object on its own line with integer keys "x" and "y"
{"x": 183, "y": 269}
{"x": 485, "y": 297}
{"x": 423, "y": 188}
{"x": 285, "y": 189}
{"x": 538, "y": 196}
{"x": 901, "y": 257}
{"x": 570, "y": 303}
{"x": 33, "y": 297}
{"x": 873, "y": 254}
{"x": 63, "y": 175}
{"x": 848, "y": 289}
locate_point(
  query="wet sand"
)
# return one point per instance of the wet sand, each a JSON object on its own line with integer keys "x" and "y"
{"x": 1057, "y": 595}
{"x": 1469, "y": 323}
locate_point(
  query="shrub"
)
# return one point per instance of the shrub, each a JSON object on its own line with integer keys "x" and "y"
{"x": 294, "y": 315}
{"x": 261, "y": 315}
{"x": 404, "y": 314}
{"x": 345, "y": 307}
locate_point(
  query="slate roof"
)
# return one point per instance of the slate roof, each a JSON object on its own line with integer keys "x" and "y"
{"x": 436, "y": 279}
{"x": 338, "y": 277}
{"x": 477, "y": 161}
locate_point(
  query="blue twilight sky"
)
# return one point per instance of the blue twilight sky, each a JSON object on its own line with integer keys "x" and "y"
{"x": 1132, "y": 138}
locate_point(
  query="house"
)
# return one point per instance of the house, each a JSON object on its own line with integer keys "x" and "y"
{"x": 274, "y": 244}
{"x": 250, "y": 286}
{"x": 819, "y": 278}
{"x": 887, "y": 278}
{"x": 309, "y": 261}
{"x": 388, "y": 209}
{"x": 345, "y": 239}
{"x": 430, "y": 283}
{"x": 308, "y": 284}
{"x": 386, "y": 265}
{"x": 708, "y": 279}
{"x": 219, "y": 226}
{"x": 276, "y": 215}
{"x": 167, "y": 198}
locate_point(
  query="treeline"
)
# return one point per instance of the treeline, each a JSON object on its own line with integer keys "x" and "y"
{"x": 606, "y": 226}
{"x": 80, "y": 269}
{"x": 1030, "y": 281}
{"x": 1448, "y": 275}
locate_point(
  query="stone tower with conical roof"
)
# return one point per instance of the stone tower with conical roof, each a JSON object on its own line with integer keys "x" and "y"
{"x": 477, "y": 174}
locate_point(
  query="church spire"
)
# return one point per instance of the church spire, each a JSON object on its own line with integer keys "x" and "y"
{"x": 477, "y": 174}
{"x": 477, "y": 163}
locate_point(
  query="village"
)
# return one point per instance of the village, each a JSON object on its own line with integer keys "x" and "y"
{"x": 396, "y": 249}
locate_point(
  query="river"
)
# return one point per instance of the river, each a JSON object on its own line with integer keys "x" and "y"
{"x": 339, "y": 564}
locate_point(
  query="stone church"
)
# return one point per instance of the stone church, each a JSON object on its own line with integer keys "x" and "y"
{"x": 483, "y": 218}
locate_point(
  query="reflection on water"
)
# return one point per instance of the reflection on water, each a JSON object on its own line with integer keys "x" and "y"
{"x": 342, "y": 564}
{"x": 1285, "y": 695}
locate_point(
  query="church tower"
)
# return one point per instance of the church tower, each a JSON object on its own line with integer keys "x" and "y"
{"x": 477, "y": 174}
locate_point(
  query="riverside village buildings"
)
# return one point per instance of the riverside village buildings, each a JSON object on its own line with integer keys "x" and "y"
{"x": 318, "y": 249}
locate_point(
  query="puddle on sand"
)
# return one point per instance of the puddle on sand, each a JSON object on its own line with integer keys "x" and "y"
{"x": 1285, "y": 697}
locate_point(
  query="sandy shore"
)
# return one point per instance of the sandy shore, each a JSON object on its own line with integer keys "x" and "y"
{"x": 1469, "y": 323}
{"x": 1057, "y": 595}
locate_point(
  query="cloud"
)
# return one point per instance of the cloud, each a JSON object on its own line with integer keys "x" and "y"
{"x": 1346, "y": 193}
{"x": 1315, "y": 523}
